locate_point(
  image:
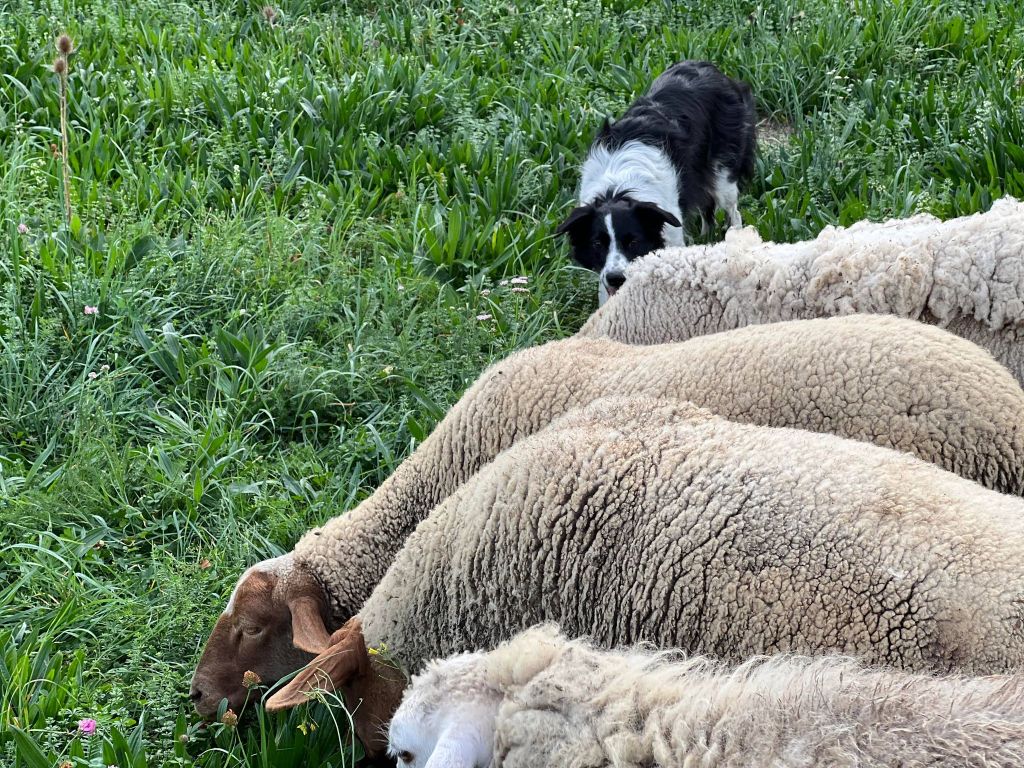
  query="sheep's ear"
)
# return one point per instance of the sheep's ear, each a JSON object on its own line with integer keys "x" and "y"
{"x": 577, "y": 217}
{"x": 657, "y": 214}
{"x": 452, "y": 752}
{"x": 309, "y": 633}
{"x": 343, "y": 659}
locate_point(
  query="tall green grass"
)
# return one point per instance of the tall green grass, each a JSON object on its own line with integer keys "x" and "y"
{"x": 297, "y": 225}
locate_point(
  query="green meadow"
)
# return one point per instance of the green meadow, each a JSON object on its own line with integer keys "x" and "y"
{"x": 286, "y": 245}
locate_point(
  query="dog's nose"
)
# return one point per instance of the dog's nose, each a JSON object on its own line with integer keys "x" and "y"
{"x": 615, "y": 280}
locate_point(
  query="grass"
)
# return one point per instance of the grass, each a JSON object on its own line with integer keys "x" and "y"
{"x": 297, "y": 224}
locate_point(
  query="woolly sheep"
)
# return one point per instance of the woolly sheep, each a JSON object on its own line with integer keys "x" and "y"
{"x": 542, "y": 701}
{"x": 965, "y": 274}
{"x": 890, "y": 381}
{"x": 633, "y": 520}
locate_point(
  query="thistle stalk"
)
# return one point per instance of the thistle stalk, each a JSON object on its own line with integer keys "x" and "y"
{"x": 60, "y": 67}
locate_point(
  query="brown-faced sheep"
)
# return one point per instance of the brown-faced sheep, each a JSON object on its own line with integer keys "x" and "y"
{"x": 636, "y": 520}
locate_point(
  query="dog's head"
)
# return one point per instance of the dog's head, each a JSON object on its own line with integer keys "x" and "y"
{"x": 609, "y": 233}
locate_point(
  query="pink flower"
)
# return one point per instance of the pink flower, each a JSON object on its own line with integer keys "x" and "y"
{"x": 483, "y": 317}
{"x": 519, "y": 280}
{"x": 93, "y": 374}
{"x": 91, "y": 310}
{"x": 520, "y": 289}
{"x": 23, "y": 229}
{"x": 87, "y": 726}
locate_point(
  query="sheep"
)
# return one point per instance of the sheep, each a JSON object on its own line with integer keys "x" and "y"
{"x": 965, "y": 274}
{"x": 641, "y": 520}
{"x": 541, "y": 700}
{"x": 893, "y": 382}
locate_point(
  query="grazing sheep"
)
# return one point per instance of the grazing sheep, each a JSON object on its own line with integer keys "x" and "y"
{"x": 638, "y": 520}
{"x": 541, "y": 701}
{"x": 965, "y": 274}
{"x": 893, "y": 382}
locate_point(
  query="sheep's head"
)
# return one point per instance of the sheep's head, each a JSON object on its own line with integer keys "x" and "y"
{"x": 446, "y": 719}
{"x": 273, "y": 625}
{"x": 371, "y": 688}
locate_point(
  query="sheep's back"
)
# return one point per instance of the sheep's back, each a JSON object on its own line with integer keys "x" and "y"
{"x": 715, "y": 538}
{"x": 965, "y": 274}
{"x": 588, "y": 705}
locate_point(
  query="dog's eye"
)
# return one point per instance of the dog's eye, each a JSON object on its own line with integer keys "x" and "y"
{"x": 627, "y": 241}
{"x": 405, "y": 756}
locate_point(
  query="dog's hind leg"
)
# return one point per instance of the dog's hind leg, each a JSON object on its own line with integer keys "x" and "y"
{"x": 707, "y": 219}
{"x": 727, "y": 196}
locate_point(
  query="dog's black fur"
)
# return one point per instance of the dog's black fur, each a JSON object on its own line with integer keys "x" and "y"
{"x": 701, "y": 119}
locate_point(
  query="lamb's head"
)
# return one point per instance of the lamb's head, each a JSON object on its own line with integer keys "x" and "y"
{"x": 273, "y": 625}
{"x": 446, "y": 719}
{"x": 371, "y": 687}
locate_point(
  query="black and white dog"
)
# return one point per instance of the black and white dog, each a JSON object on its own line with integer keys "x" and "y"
{"x": 682, "y": 148}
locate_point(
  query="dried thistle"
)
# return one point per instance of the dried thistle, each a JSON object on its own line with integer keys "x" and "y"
{"x": 60, "y": 67}
{"x": 230, "y": 719}
{"x": 270, "y": 14}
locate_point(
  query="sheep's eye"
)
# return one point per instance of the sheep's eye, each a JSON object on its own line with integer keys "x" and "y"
{"x": 252, "y": 631}
{"x": 405, "y": 756}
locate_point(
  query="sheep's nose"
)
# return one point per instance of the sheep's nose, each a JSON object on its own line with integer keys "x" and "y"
{"x": 194, "y": 695}
{"x": 615, "y": 280}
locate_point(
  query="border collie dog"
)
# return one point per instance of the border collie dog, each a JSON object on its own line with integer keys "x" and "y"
{"x": 681, "y": 149}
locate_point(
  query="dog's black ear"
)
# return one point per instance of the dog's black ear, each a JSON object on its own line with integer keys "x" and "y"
{"x": 578, "y": 216}
{"x": 606, "y": 128}
{"x": 654, "y": 214}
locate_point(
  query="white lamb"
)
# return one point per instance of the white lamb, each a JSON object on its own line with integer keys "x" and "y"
{"x": 543, "y": 701}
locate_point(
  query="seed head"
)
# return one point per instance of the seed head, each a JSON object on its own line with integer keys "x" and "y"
{"x": 60, "y": 66}
{"x": 270, "y": 14}
{"x": 250, "y": 679}
{"x": 64, "y": 45}
{"x": 230, "y": 719}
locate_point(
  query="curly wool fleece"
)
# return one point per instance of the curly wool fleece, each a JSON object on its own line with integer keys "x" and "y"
{"x": 635, "y": 520}
{"x": 880, "y": 379}
{"x": 965, "y": 274}
{"x": 565, "y": 703}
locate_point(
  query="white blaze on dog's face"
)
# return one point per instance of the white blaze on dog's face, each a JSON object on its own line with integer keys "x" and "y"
{"x": 446, "y": 719}
{"x": 609, "y": 234}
